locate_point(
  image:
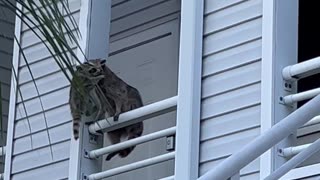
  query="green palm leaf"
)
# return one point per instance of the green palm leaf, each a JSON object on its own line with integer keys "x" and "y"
{"x": 47, "y": 20}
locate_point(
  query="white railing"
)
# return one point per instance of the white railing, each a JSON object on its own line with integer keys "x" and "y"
{"x": 292, "y": 151}
{"x": 313, "y": 121}
{"x": 265, "y": 141}
{"x": 293, "y": 98}
{"x": 113, "y": 148}
{"x": 306, "y": 115}
{"x": 133, "y": 166}
{"x": 136, "y": 115}
{"x": 125, "y": 119}
{"x": 300, "y": 70}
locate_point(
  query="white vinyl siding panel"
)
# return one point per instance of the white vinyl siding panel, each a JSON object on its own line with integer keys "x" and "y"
{"x": 130, "y": 17}
{"x": 33, "y": 160}
{"x": 231, "y": 83}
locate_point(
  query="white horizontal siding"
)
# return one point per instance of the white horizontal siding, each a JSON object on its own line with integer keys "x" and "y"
{"x": 130, "y": 17}
{"x": 231, "y": 83}
{"x": 32, "y": 160}
{"x": 48, "y": 172}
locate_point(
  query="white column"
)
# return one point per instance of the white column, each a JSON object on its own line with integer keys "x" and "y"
{"x": 189, "y": 90}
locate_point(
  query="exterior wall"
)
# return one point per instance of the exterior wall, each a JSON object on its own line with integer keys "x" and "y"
{"x": 6, "y": 48}
{"x": 144, "y": 36}
{"x": 33, "y": 160}
{"x": 231, "y": 81}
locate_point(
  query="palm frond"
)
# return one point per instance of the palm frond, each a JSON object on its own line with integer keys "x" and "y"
{"x": 47, "y": 20}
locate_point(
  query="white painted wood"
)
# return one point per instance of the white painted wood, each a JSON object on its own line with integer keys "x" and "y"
{"x": 98, "y": 29}
{"x": 267, "y": 85}
{"x": 279, "y": 50}
{"x": 189, "y": 85}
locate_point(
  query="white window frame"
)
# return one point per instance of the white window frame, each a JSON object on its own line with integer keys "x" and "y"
{"x": 279, "y": 49}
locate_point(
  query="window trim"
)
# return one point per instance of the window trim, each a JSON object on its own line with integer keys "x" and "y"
{"x": 279, "y": 49}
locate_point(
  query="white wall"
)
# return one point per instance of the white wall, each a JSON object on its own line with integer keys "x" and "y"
{"x": 231, "y": 81}
{"x": 144, "y": 42}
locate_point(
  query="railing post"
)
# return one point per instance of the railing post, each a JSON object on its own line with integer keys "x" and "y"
{"x": 295, "y": 161}
{"x": 94, "y": 27}
{"x": 189, "y": 90}
{"x": 265, "y": 141}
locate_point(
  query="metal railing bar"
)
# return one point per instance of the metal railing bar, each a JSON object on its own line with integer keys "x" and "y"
{"x": 292, "y": 151}
{"x": 313, "y": 121}
{"x": 133, "y": 166}
{"x": 295, "y": 161}
{"x": 265, "y": 141}
{"x": 136, "y": 115}
{"x": 290, "y": 99}
{"x": 139, "y": 140}
{"x": 301, "y": 70}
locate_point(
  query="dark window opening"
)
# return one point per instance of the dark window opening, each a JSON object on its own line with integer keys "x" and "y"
{"x": 308, "y": 42}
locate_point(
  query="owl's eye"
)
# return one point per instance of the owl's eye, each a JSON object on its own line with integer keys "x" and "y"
{"x": 92, "y": 70}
